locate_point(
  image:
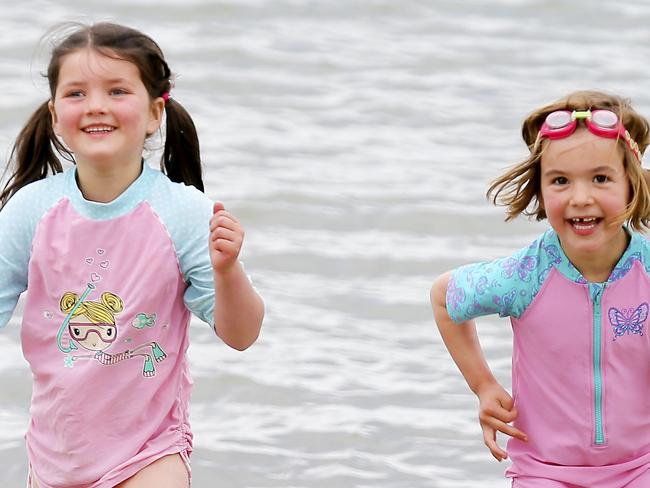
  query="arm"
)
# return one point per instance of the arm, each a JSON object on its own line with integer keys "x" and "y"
{"x": 496, "y": 406}
{"x": 238, "y": 310}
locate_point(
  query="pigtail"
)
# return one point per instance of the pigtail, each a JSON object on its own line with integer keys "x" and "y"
{"x": 112, "y": 302}
{"x": 68, "y": 301}
{"x": 33, "y": 153}
{"x": 181, "y": 159}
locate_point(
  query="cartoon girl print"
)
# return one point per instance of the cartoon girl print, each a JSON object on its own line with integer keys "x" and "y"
{"x": 92, "y": 325}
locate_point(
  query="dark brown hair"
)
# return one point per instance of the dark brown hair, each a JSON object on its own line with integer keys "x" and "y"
{"x": 520, "y": 187}
{"x": 33, "y": 155}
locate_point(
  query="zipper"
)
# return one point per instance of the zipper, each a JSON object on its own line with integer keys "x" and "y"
{"x": 596, "y": 292}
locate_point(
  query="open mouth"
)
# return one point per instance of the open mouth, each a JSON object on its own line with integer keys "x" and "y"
{"x": 584, "y": 223}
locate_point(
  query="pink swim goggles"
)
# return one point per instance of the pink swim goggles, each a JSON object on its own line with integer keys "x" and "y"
{"x": 80, "y": 331}
{"x": 603, "y": 123}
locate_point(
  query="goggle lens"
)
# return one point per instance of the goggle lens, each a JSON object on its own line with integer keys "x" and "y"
{"x": 604, "y": 118}
{"x": 559, "y": 119}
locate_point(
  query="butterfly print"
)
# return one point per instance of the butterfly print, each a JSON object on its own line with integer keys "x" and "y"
{"x": 523, "y": 267}
{"x": 628, "y": 320}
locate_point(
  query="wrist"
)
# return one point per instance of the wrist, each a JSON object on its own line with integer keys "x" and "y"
{"x": 229, "y": 272}
{"x": 483, "y": 385}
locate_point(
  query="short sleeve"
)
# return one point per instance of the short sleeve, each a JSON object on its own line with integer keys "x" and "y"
{"x": 505, "y": 286}
{"x": 17, "y": 223}
{"x": 194, "y": 258}
{"x": 185, "y": 213}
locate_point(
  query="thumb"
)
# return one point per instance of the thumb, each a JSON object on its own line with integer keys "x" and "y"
{"x": 506, "y": 400}
{"x": 217, "y": 207}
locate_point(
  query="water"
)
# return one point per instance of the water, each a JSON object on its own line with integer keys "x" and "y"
{"x": 355, "y": 141}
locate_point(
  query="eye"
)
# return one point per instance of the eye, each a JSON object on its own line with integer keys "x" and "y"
{"x": 109, "y": 332}
{"x": 560, "y": 180}
{"x": 76, "y": 332}
{"x": 118, "y": 91}
{"x": 73, "y": 94}
{"x": 601, "y": 179}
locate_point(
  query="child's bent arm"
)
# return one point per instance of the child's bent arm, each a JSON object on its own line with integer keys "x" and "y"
{"x": 238, "y": 310}
{"x": 496, "y": 406}
{"x": 461, "y": 339}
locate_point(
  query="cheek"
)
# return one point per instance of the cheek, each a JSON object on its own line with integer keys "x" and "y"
{"x": 67, "y": 116}
{"x": 552, "y": 204}
{"x": 132, "y": 115}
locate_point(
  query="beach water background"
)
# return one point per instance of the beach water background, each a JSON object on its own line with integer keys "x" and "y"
{"x": 355, "y": 141}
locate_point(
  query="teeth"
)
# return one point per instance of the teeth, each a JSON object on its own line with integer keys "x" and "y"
{"x": 588, "y": 220}
{"x": 98, "y": 129}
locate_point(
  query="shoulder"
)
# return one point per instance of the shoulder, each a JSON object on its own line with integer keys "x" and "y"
{"x": 32, "y": 201}
{"x": 505, "y": 285}
{"x": 184, "y": 211}
{"x": 170, "y": 198}
{"x": 638, "y": 250}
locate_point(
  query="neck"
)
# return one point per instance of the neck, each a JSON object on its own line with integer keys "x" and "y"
{"x": 103, "y": 185}
{"x": 597, "y": 267}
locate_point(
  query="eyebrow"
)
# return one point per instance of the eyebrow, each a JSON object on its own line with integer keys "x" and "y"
{"x": 111, "y": 81}
{"x": 598, "y": 169}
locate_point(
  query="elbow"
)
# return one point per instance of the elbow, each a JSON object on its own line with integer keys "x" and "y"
{"x": 241, "y": 344}
{"x": 242, "y": 335}
{"x": 438, "y": 292}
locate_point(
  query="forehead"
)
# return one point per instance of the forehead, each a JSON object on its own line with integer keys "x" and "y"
{"x": 89, "y": 64}
{"x": 581, "y": 151}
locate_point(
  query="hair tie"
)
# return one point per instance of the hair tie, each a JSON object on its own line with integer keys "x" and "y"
{"x": 165, "y": 96}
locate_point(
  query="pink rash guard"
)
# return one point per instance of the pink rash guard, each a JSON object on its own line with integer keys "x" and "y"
{"x": 581, "y": 360}
{"x": 105, "y": 328}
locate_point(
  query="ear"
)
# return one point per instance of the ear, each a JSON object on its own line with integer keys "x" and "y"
{"x": 55, "y": 119}
{"x": 155, "y": 115}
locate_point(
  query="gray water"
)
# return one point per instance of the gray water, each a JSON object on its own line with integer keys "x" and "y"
{"x": 355, "y": 141}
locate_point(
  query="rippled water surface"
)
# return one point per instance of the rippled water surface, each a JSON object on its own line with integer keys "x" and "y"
{"x": 355, "y": 140}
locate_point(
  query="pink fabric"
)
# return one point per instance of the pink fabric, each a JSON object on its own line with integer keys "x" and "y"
{"x": 553, "y": 386}
{"x": 94, "y": 421}
{"x": 527, "y": 482}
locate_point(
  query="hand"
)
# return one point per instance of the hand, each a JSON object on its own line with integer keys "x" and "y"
{"x": 496, "y": 411}
{"x": 226, "y": 238}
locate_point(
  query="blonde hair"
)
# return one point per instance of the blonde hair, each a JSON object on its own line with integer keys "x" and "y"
{"x": 520, "y": 187}
{"x": 97, "y": 313}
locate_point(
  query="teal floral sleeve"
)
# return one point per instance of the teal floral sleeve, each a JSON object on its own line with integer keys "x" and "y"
{"x": 505, "y": 286}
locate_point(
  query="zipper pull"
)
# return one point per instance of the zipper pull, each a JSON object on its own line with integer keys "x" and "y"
{"x": 596, "y": 290}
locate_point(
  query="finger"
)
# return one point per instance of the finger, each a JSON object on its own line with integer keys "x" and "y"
{"x": 225, "y": 213}
{"x": 489, "y": 437}
{"x": 226, "y": 247}
{"x": 224, "y": 219}
{"x": 227, "y": 234}
{"x": 506, "y": 401}
{"x": 224, "y": 224}
{"x": 217, "y": 206}
{"x": 498, "y": 412}
{"x": 496, "y": 424}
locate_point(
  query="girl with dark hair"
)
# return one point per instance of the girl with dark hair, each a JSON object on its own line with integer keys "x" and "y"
{"x": 114, "y": 256}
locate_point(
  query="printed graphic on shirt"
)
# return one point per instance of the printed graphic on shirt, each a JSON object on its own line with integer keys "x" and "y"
{"x": 92, "y": 325}
{"x": 628, "y": 320}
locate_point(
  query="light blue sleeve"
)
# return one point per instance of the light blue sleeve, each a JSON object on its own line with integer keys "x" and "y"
{"x": 186, "y": 213}
{"x": 505, "y": 286}
{"x": 18, "y": 221}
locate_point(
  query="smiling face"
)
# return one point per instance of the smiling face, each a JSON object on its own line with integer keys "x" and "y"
{"x": 102, "y": 110}
{"x": 584, "y": 189}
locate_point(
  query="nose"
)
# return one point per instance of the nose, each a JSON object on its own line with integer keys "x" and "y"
{"x": 96, "y": 103}
{"x": 581, "y": 194}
